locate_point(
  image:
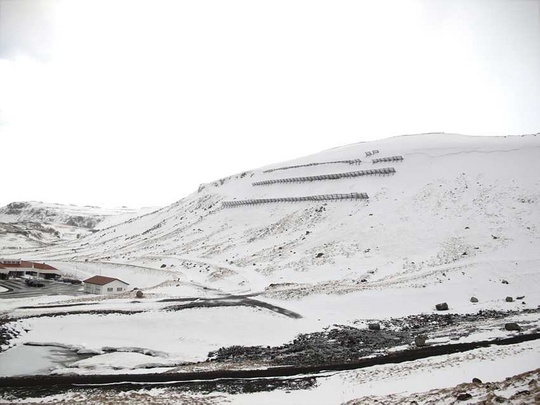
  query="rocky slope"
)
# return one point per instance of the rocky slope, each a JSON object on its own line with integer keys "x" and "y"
{"x": 32, "y": 224}
{"x": 454, "y": 203}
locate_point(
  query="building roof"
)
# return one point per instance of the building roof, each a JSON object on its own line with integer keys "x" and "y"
{"x": 18, "y": 264}
{"x": 102, "y": 280}
{"x": 22, "y": 264}
{"x": 43, "y": 266}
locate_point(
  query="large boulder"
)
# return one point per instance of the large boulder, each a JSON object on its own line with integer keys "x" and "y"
{"x": 463, "y": 396}
{"x": 512, "y": 326}
{"x": 442, "y": 306}
{"x": 420, "y": 340}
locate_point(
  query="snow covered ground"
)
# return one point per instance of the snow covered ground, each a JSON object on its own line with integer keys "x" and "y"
{"x": 459, "y": 219}
{"x": 378, "y": 382}
{"x": 27, "y": 225}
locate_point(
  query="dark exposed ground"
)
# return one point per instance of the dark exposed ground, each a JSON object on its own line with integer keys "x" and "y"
{"x": 520, "y": 389}
{"x": 183, "y": 304}
{"x": 6, "y": 331}
{"x": 233, "y": 301}
{"x": 346, "y": 343}
{"x": 342, "y": 343}
{"x": 224, "y": 381}
{"x": 228, "y": 386}
{"x": 336, "y": 348}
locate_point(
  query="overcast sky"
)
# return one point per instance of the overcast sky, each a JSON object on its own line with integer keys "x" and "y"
{"x": 128, "y": 102}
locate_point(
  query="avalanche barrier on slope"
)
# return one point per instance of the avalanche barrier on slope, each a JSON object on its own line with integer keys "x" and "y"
{"x": 388, "y": 159}
{"x": 351, "y": 162}
{"x": 383, "y": 172}
{"x": 322, "y": 197}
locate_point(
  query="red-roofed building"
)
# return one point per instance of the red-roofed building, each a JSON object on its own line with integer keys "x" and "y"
{"x": 17, "y": 268}
{"x": 104, "y": 285}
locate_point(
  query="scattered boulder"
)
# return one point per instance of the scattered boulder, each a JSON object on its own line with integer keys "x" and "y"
{"x": 363, "y": 280}
{"x": 463, "y": 396}
{"x": 139, "y": 294}
{"x": 420, "y": 340}
{"x": 512, "y": 326}
{"x": 504, "y": 281}
{"x": 442, "y": 306}
{"x": 474, "y": 299}
{"x": 477, "y": 380}
{"x": 163, "y": 265}
{"x": 374, "y": 326}
{"x": 509, "y": 299}
{"x": 319, "y": 255}
{"x": 520, "y": 297}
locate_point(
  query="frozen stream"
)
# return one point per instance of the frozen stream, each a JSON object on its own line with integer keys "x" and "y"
{"x": 34, "y": 360}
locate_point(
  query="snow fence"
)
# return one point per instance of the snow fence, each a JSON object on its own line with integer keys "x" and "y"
{"x": 388, "y": 159}
{"x": 351, "y": 162}
{"x": 382, "y": 172}
{"x": 322, "y": 197}
{"x": 371, "y": 152}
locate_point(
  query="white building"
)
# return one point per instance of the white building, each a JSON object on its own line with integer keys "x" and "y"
{"x": 17, "y": 268}
{"x": 104, "y": 285}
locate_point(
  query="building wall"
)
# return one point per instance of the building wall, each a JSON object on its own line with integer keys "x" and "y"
{"x": 114, "y": 287}
{"x": 92, "y": 288}
{"x": 30, "y": 271}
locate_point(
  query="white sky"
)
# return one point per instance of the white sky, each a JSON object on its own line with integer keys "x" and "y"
{"x": 129, "y": 102}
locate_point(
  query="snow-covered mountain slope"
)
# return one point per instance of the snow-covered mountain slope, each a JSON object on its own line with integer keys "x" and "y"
{"x": 458, "y": 210}
{"x": 90, "y": 217}
{"x": 32, "y": 224}
{"x": 459, "y": 217}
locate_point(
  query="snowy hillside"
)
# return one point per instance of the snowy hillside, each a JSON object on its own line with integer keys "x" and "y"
{"x": 33, "y": 224}
{"x": 293, "y": 263}
{"x": 455, "y": 203}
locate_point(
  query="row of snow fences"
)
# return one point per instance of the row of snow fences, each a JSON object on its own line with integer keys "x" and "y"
{"x": 351, "y": 162}
{"x": 371, "y": 152}
{"x": 382, "y": 172}
{"x": 388, "y": 159}
{"x": 322, "y": 197}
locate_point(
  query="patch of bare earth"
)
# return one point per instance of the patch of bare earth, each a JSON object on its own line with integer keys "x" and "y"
{"x": 112, "y": 397}
{"x": 520, "y": 389}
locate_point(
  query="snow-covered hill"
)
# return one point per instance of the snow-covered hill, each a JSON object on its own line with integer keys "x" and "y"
{"x": 455, "y": 204}
{"x": 32, "y": 224}
{"x": 250, "y": 260}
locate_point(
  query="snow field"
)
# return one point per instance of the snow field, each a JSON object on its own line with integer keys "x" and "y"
{"x": 460, "y": 218}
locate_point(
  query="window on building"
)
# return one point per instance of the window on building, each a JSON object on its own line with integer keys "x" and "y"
{"x": 119, "y": 288}
{"x": 110, "y": 289}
